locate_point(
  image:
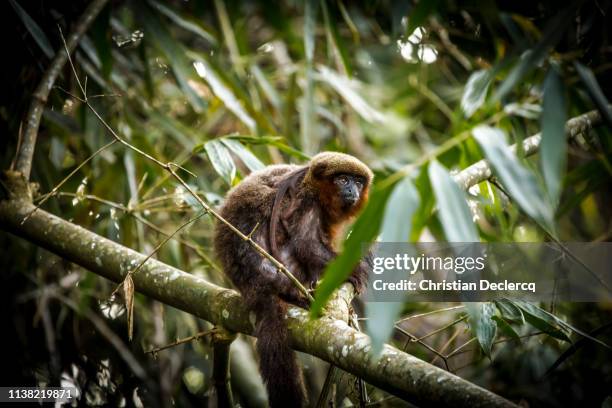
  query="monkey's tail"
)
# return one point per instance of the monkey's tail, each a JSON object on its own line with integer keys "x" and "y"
{"x": 278, "y": 363}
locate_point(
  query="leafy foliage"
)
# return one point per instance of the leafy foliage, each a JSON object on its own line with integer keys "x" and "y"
{"x": 418, "y": 90}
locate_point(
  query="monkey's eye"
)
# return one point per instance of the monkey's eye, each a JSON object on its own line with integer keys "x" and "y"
{"x": 359, "y": 184}
{"x": 342, "y": 180}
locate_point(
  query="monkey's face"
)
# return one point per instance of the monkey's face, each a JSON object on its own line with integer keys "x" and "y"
{"x": 349, "y": 189}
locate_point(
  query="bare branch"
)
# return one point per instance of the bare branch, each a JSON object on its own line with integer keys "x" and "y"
{"x": 184, "y": 340}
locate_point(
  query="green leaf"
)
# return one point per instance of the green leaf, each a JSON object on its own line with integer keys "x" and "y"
{"x": 419, "y": 14}
{"x": 172, "y": 50}
{"x": 519, "y": 181}
{"x": 542, "y": 320}
{"x": 221, "y": 160}
{"x": 475, "y": 91}
{"x": 364, "y": 231}
{"x": 482, "y": 325}
{"x": 455, "y": 215}
{"x": 505, "y": 328}
{"x": 401, "y": 206}
{"x": 553, "y": 148}
{"x": 101, "y": 39}
{"x": 510, "y": 311}
{"x": 423, "y": 214}
{"x": 224, "y": 93}
{"x": 308, "y": 124}
{"x": 563, "y": 324}
{"x": 595, "y": 92}
{"x": 335, "y": 38}
{"x": 396, "y": 225}
{"x": 347, "y": 88}
{"x": 248, "y": 158}
{"x": 266, "y": 86}
{"x": 184, "y": 23}
{"x": 183, "y": 135}
{"x": 276, "y": 141}
{"x": 34, "y": 29}
{"x": 530, "y": 59}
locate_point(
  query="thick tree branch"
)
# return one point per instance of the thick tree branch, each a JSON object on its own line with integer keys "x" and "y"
{"x": 329, "y": 338}
{"x": 25, "y": 150}
{"x": 481, "y": 170}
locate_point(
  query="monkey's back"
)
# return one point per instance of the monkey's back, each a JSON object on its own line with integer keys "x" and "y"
{"x": 246, "y": 205}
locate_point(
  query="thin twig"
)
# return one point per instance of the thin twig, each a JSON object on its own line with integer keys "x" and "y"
{"x": 177, "y": 342}
{"x": 55, "y": 189}
{"x": 446, "y": 309}
{"x": 132, "y": 212}
{"x": 157, "y": 248}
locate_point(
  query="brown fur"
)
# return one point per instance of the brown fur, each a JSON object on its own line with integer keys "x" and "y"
{"x": 300, "y": 215}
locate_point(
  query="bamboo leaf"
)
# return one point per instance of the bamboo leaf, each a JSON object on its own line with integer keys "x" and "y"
{"x": 520, "y": 182}
{"x": 34, "y": 29}
{"x": 248, "y": 158}
{"x": 224, "y": 93}
{"x": 482, "y": 325}
{"x": 364, "y": 231}
{"x": 542, "y": 320}
{"x": 475, "y": 91}
{"x": 221, "y": 160}
{"x": 455, "y": 215}
{"x": 505, "y": 327}
{"x": 184, "y": 23}
{"x": 553, "y": 147}
{"x": 309, "y": 138}
{"x": 510, "y": 311}
{"x": 396, "y": 227}
{"x": 595, "y": 91}
{"x": 530, "y": 59}
{"x": 346, "y": 88}
{"x": 172, "y": 50}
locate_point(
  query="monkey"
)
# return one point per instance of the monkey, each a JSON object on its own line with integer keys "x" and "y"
{"x": 296, "y": 213}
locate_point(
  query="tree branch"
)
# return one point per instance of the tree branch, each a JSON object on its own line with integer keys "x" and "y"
{"x": 25, "y": 150}
{"x": 481, "y": 170}
{"x": 329, "y": 338}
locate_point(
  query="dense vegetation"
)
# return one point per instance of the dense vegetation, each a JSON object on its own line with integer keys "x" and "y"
{"x": 419, "y": 91}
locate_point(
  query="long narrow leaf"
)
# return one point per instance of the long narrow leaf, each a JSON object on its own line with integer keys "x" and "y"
{"x": 597, "y": 95}
{"x": 364, "y": 231}
{"x": 553, "y": 148}
{"x": 533, "y": 57}
{"x": 520, "y": 182}
{"x": 482, "y": 325}
{"x": 221, "y": 160}
{"x": 396, "y": 227}
{"x": 34, "y": 29}
{"x": 248, "y": 158}
{"x": 454, "y": 212}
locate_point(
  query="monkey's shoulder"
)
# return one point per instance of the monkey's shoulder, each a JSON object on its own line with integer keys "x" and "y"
{"x": 257, "y": 191}
{"x": 270, "y": 176}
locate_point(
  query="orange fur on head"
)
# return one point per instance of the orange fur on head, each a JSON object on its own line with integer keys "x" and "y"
{"x": 322, "y": 169}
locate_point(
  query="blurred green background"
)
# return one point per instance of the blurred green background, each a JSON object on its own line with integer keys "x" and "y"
{"x": 225, "y": 88}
